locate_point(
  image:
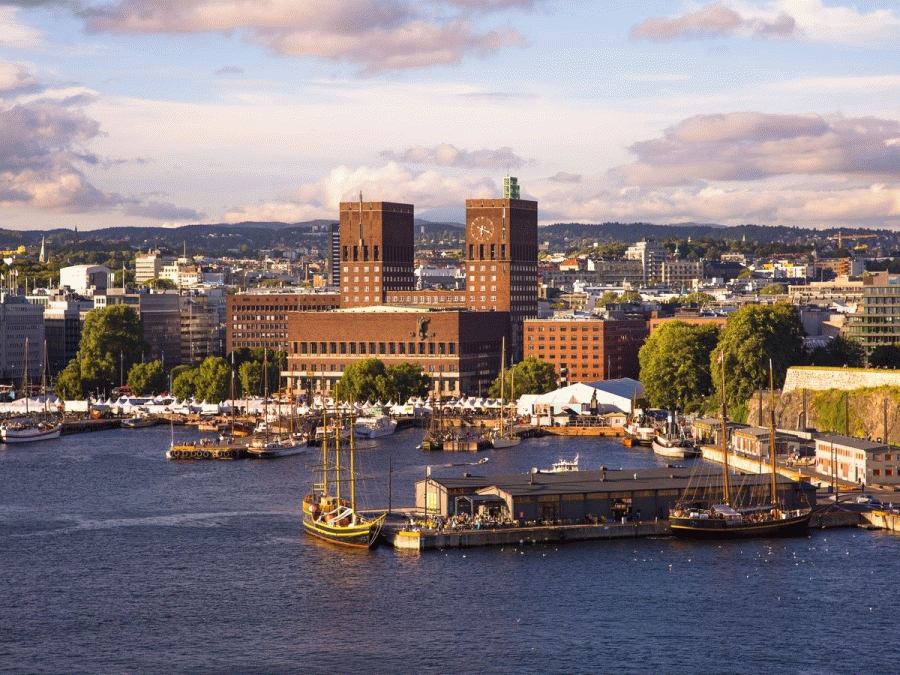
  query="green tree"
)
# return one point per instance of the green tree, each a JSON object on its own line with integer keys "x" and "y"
{"x": 184, "y": 385}
{"x": 885, "y": 356}
{"x": 362, "y": 381}
{"x": 112, "y": 340}
{"x": 250, "y": 375}
{"x": 753, "y": 335}
{"x": 840, "y": 351}
{"x": 531, "y": 376}
{"x": 402, "y": 381}
{"x": 675, "y": 365}
{"x": 68, "y": 382}
{"x": 697, "y": 298}
{"x": 161, "y": 284}
{"x": 213, "y": 380}
{"x": 147, "y": 378}
{"x": 773, "y": 289}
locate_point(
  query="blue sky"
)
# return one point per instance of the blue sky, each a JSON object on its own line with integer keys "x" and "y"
{"x": 145, "y": 112}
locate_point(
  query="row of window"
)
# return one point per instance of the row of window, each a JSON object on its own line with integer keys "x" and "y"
{"x": 340, "y": 367}
{"x": 402, "y": 348}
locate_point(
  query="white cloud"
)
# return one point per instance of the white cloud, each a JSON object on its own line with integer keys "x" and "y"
{"x": 14, "y": 33}
{"x": 448, "y": 155}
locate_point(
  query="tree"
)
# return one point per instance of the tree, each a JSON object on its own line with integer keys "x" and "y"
{"x": 697, "y": 298}
{"x": 68, "y": 382}
{"x": 773, "y": 289}
{"x": 362, "y": 381}
{"x": 184, "y": 385}
{"x": 161, "y": 284}
{"x": 531, "y": 376}
{"x": 250, "y": 375}
{"x": 840, "y": 351}
{"x": 147, "y": 378}
{"x": 112, "y": 340}
{"x": 213, "y": 379}
{"x": 675, "y": 365}
{"x": 753, "y": 335}
{"x": 885, "y": 356}
{"x": 403, "y": 381}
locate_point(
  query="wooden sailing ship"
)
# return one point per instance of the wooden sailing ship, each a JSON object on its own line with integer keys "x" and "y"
{"x": 329, "y": 511}
{"x": 701, "y": 519}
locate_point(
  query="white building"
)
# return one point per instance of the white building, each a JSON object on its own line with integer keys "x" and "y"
{"x": 149, "y": 265}
{"x": 652, "y": 255}
{"x": 86, "y": 278}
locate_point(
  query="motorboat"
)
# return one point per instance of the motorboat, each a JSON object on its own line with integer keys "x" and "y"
{"x": 374, "y": 427}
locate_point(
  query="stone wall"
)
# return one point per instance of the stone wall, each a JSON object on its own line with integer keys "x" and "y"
{"x": 845, "y": 379}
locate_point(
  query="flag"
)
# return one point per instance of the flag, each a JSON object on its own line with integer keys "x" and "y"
{"x": 720, "y": 357}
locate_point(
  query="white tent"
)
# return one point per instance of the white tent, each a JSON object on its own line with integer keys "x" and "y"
{"x": 605, "y": 395}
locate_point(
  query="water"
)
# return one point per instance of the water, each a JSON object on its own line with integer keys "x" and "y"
{"x": 115, "y": 560}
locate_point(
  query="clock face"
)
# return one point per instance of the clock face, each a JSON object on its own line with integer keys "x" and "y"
{"x": 482, "y": 228}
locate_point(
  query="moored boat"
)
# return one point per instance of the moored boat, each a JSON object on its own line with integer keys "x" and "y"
{"x": 262, "y": 448}
{"x": 139, "y": 422}
{"x": 374, "y": 426}
{"x": 694, "y": 518}
{"x": 27, "y": 432}
{"x": 331, "y": 514}
{"x": 565, "y": 465}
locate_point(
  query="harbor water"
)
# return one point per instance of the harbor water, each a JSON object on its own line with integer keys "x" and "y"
{"x": 115, "y": 560}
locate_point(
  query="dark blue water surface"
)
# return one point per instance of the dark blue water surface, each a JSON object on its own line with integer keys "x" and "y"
{"x": 115, "y": 560}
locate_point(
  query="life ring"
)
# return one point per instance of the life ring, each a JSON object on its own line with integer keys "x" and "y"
{"x": 174, "y": 454}
{"x": 205, "y": 454}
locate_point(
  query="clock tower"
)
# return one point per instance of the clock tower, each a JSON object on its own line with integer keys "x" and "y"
{"x": 501, "y": 258}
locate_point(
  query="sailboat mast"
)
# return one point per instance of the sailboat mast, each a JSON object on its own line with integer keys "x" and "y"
{"x": 232, "y": 394}
{"x": 324, "y": 440}
{"x": 502, "y": 378}
{"x": 772, "y": 435}
{"x": 26, "y": 384}
{"x": 726, "y": 492}
{"x": 352, "y": 462}
{"x": 266, "y": 392}
{"x": 337, "y": 445}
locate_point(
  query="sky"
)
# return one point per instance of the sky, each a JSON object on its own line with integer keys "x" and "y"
{"x": 168, "y": 112}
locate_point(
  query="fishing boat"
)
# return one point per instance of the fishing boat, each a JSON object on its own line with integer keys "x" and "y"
{"x": 503, "y": 436}
{"x": 672, "y": 442}
{"x": 640, "y": 430}
{"x": 26, "y": 431}
{"x": 329, "y": 512}
{"x": 700, "y": 519}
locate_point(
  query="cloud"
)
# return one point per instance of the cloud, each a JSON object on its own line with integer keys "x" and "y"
{"x": 563, "y": 177}
{"x": 451, "y": 156}
{"x": 373, "y": 34}
{"x": 16, "y": 79}
{"x": 498, "y": 96}
{"x": 230, "y": 70}
{"x": 752, "y": 146}
{"x": 15, "y": 34}
{"x": 391, "y": 182}
{"x": 162, "y": 211}
{"x": 809, "y": 20}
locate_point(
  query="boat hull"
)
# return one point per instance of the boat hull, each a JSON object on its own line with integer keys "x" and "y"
{"x": 505, "y": 442}
{"x": 29, "y": 435}
{"x": 674, "y": 451}
{"x": 685, "y": 527}
{"x": 363, "y": 535}
{"x": 278, "y": 452}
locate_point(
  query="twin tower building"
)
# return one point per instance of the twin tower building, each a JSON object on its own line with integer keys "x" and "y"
{"x": 456, "y": 336}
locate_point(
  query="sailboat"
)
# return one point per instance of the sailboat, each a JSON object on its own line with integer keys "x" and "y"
{"x": 29, "y": 430}
{"x": 703, "y": 520}
{"x": 265, "y": 446}
{"x": 327, "y": 513}
{"x": 504, "y": 436}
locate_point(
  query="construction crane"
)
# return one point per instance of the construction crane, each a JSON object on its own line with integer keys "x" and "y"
{"x": 839, "y": 237}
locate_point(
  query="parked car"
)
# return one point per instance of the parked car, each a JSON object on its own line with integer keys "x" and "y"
{"x": 869, "y": 500}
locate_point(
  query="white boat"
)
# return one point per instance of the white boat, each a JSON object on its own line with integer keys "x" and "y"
{"x": 26, "y": 432}
{"x": 261, "y": 448}
{"x": 139, "y": 422}
{"x": 374, "y": 427}
{"x": 674, "y": 447}
{"x": 565, "y": 465}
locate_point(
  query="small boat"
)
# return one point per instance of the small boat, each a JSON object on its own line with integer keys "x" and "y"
{"x": 27, "y": 432}
{"x": 262, "y": 448}
{"x": 139, "y": 422}
{"x": 671, "y": 442}
{"x": 694, "y": 518}
{"x": 374, "y": 427}
{"x": 330, "y": 513}
{"x": 565, "y": 465}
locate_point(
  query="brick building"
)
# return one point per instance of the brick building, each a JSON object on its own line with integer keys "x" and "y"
{"x": 587, "y": 349}
{"x": 460, "y": 350}
{"x": 261, "y": 319}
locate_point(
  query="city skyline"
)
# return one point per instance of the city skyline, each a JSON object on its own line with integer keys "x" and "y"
{"x": 143, "y": 113}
